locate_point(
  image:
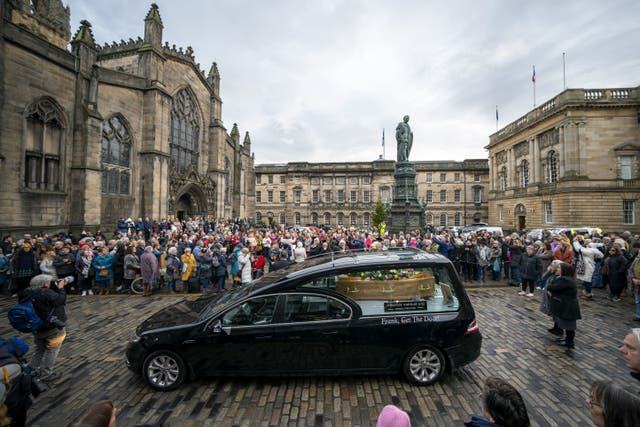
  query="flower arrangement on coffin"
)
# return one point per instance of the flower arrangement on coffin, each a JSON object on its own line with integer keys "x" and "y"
{"x": 387, "y": 284}
{"x": 393, "y": 274}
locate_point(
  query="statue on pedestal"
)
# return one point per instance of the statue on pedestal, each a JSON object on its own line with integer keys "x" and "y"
{"x": 404, "y": 137}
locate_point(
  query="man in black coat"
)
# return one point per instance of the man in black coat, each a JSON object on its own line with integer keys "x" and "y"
{"x": 49, "y": 299}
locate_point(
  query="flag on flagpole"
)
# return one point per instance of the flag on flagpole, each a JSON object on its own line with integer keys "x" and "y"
{"x": 496, "y": 113}
{"x": 533, "y": 76}
{"x": 383, "y": 137}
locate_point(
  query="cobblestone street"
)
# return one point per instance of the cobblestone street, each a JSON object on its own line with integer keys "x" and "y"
{"x": 516, "y": 346}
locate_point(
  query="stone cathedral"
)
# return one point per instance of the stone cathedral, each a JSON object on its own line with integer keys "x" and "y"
{"x": 91, "y": 133}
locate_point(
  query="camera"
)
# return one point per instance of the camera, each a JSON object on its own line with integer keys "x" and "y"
{"x": 56, "y": 322}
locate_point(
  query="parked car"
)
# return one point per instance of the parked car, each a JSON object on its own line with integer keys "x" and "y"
{"x": 399, "y": 311}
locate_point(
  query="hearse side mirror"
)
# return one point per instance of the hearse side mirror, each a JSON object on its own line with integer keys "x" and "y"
{"x": 217, "y": 327}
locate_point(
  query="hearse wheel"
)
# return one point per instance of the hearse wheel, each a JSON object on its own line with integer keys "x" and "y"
{"x": 424, "y": 365}
{"x": 164, "y": 370}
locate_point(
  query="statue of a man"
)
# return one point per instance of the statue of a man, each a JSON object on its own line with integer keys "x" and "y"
{"x": 404, "y": 136}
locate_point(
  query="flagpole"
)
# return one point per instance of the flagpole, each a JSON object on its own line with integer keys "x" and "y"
{"x": 564, "y": 74}
{"x": 383, "y": 147}
{"x": 496, "y": 118}
{"x": 533, "y": 79}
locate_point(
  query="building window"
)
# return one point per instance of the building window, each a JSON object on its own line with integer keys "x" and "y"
{"x": 456, "y": 195}
{"x": 457, "y": 219}
{"x": 340, "y": 218}
{"x": 625, "y": 167}
{"x": 443, "y": 220}
{"x": 270, "y": 196}
{"x": 340, "y": 180}
{"x": 283, "y": 197}
{"x": 258, "y": 179}
{"x": 443, "y": 196}
{"x": 429, "y": 196}
{"x": 296, "y": 218}
{"x": 628, "y": 212}
{"x": 548, "y": 213}
{"x": 429, "y": 219}
{"x": 296, "y": 196}
{"x": 552, "y": 167}
{"x": 524, "y": 174}
{"x": 429, "y": 177}
{"x": 353, "y": 180}
{"x": 184, "y": 130}
{"x": 385, "y": 195}
{"x": 353, "y": 196}
{"x": 316, "y": 196}
{"x": 366, "y": 180}
{"x": 315, "y": 180}
{"x": 477, "y": 176}
{"x": 443, "y": 177}
{"x": 115, "y": 157}
{"x": 327, "y": 196}
{"x": 258, "y": 217}
{"x": 366, "y": 219}
{"x": 354, "y": 219}
{"x": 340, "y": 196}
{"x": 283, "y": 218}
{"x": 503, "y": 179}
{"x": 270, "y": 179}
{"x": 366, "y": 196}
{"x": 477, "y": 195}
{"x": 43, "y": 146}
{"x": 456, "y": 177}
{"x": 283, "y": 179}
{"x": 314, "y": 218}
{"x": 327, "y": 180}
{"x": 327, "y": 218}
{"x": 258, "y": 197}
{"x": 500, "y": 213}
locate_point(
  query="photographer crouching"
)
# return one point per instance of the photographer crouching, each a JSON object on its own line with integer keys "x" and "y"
{"x": 49, "y": 298}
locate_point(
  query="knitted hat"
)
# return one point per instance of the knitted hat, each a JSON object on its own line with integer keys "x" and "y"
{"x": 392, "y": 416}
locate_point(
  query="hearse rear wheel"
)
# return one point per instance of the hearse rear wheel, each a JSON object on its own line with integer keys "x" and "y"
{"x": 424, "y": 365}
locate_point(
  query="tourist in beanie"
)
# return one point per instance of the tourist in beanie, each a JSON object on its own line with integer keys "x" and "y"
{"x": 392, "y": 416}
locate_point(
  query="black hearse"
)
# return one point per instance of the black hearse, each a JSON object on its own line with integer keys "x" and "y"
{"x": 399, "y": 311}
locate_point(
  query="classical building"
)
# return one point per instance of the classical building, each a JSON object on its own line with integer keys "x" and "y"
{"x": 573, "y": 161}
{"x": 301, "y": 193}
{"x": 93, "y": 133}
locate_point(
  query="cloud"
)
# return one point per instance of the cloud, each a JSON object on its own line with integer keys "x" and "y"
{"x": 318, "y": 81}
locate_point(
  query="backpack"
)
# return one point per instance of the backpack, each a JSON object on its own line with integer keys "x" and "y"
{"x": 24, "y": 318}
{"x": 204, "y": 267}
{"x": 12, "y": 350}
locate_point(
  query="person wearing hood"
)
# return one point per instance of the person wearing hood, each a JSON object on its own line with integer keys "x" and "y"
{"x": 563, "y": 303}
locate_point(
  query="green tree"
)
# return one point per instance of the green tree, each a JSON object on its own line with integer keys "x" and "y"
{"x": 379, "y": 214}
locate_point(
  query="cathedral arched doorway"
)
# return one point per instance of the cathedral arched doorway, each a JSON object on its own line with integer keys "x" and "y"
{"x": 190, "y": 203}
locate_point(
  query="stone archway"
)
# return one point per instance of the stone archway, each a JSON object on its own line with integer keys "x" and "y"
{"x": 190, "y": 201}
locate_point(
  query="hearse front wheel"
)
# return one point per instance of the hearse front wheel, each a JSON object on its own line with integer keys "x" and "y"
{"x": 424, "y": 365}
{"x": 164, "y": 370}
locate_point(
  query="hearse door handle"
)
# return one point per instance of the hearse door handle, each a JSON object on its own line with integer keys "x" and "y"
{"x": 188, "y": 341}
{"x": 264, "y": 337}
{"x": 329, "y": 333}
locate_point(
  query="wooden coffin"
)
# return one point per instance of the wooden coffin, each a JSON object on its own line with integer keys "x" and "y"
{"x": 358, "y": 288}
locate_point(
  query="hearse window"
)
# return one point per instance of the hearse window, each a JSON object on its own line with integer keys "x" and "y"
{"x": 395, "y": 290}
{"x": 256, "y": 311}
{"x": 312, "y": 308}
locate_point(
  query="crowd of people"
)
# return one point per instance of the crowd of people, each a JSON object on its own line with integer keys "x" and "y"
{"x": 202, "y": 255}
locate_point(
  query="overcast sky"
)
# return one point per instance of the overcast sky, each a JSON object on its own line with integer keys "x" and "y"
{"x": 318, "y": 80}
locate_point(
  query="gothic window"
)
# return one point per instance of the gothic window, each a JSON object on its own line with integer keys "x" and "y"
{"x": 44, "y": 139}
{"x": 184, "y": 131}
{"x": 115, "y": 157}
{"x": 552, "y": 167}
{"x": 503, "y": 179}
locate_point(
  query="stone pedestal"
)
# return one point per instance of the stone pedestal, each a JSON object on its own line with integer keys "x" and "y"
{"x": 406, "y": 213}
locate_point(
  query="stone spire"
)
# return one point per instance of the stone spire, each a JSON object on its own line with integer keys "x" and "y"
{"x": 246, "y": 144}
{"x": 235, "y": 134}
{"x": 153, "y": 27}
{"x": 214, "y": 78}
{"x": 84, "y": 35}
